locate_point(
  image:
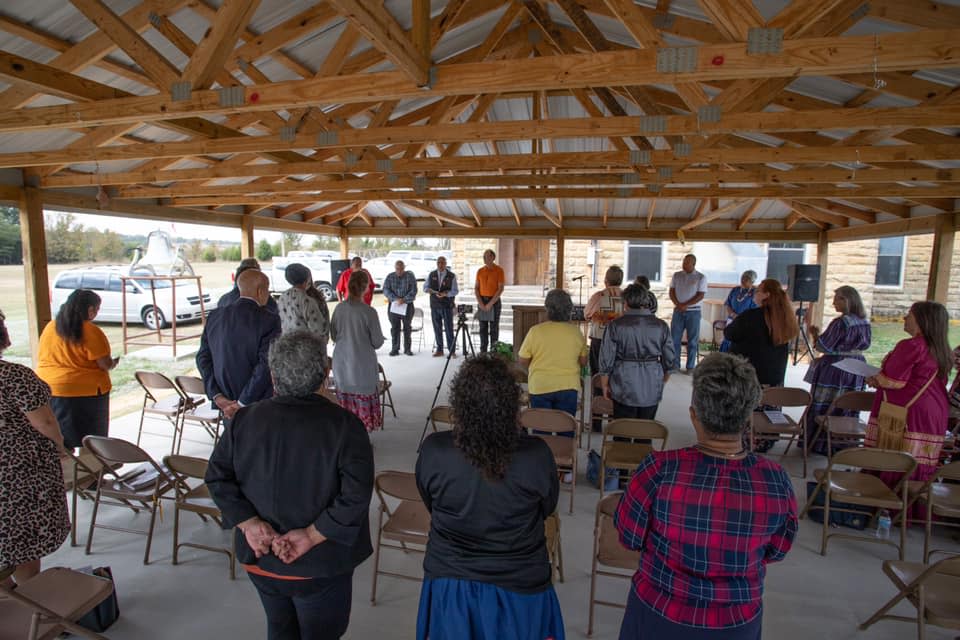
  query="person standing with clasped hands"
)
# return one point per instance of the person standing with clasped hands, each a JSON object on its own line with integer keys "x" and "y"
{"x": 488, "y": 289}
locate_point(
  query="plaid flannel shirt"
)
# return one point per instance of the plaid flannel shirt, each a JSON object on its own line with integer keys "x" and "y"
{"x": 706, "y": 528}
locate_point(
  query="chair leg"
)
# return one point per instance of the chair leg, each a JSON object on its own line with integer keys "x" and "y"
{"x": 826, "y": 522}
{"x": 921, "y": 613}
{"x": 176, "y": 531}
{"x": 894, "y": 601}
{"x": 573, "y": 481}
{"x": 233, "y": 554}
{"x": 93, "y": 516}
{"x": 593, "y": 589}
{"x": 153, "y": 519}
{"x": 810, "y": 500}
{"x": 927, "y": 530}
{"x": 376, "y": 559}
{"x": 73, "y": 514}
{"x": 142, "y": 415}
{"x": 559, "y": 552}
{"x": 393, "y": 409}
{"x": 805, "y": 444}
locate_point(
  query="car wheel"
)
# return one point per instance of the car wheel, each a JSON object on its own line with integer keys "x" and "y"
{"x": 327, "y": 291}
{"x": 153, "y": 318}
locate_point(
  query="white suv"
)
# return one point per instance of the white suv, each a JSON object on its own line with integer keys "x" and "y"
{"x": 105, "y": 280}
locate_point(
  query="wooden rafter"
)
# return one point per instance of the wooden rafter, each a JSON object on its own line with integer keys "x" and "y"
{"x": 218, "y": 42}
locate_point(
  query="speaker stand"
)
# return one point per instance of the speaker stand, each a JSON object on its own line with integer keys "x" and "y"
{"x": 797, "y": 355}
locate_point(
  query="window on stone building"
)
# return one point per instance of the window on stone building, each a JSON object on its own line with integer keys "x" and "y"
{"x": 890, "y": 262}
{"x": 644, "y": 257}
{"x": 781, "y": 255}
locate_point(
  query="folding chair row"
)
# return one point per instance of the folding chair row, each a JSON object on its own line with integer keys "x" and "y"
{"x": 560, "y": 431}
{"x": 626, "y": 442}
{"x": 846, "y": 429}
{"x": 608, "y": 552}
{"x": 763, "y": 429}
{"x": 178, "y": 402}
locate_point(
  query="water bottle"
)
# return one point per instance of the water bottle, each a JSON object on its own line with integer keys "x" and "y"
{"x": 883, "y": 525}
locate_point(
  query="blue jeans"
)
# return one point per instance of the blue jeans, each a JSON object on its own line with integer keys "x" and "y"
{"x": 688, "y": 321}
{"x": 641, "y": 622}
{"x": 442, "y": 318}
{"x": 314, "y": 609}
{"x": 565, "y": 400}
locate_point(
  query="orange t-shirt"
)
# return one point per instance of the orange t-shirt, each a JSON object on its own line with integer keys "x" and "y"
{"x": 489, "y": 280}
{"x": 70, "y": 369}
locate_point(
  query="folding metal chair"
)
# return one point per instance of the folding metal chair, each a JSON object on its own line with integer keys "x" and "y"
{"x": 442, "y": 415}
{"x": 554, "y": 425}
{"x": 144, "y": 485}
{"x": 846, "y": 428}
{"x": 620, "y": 449}
{"x": 386, "y": 398}
{"x": 761, "y": 428}
{"x": 196, "y": 500}
{"x": 200, "y": 411}
{"x": 157, "y": 405}
{"x": 933, "y": 589}
{"x": 862, "y": 490}
{"x": 608, "y": 552}
{"x": 50, "y": 603}
{"x": 80, "y": 472}
{"x": 416, "y": 326}
{"x": 406, "y": 523}
{"x": 601, "y": 408}
{"x": 942, "y": 499}
{"x": 551, "y": 531}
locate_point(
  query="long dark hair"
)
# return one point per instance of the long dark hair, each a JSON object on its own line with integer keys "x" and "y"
{"x": 853, "y": 300}
{"x": 933, "y": 321}
{"x": 73, "y": 313}
{"x": 485, "y": 401}
{"x": 778, "y": 312}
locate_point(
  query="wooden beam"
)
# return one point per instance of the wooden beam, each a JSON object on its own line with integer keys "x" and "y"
{"x": 158, "y": 68}
{"x": 36, "y": 280}
{"x": 816, "y": 215}
{"x": 420, "y": 10}
{"x": 732, "y": 17}
{"x": 747, "y": 215}
{"x": 437, "y": 213}
{"x": 907, "y": 227}
{"x": 941, "y": 260}
{"x": 248, "y": 248}
{"x": 381, "y": 29}
{"x": 218, "y": 42}
{"x": 561, "y": 251}
{"x": 823, "y": 259}
{"x": 713, "y": 215}
{"x": 541, "y": 206}
{"x": 516, "y": 211}
{"x": 395, "y": 210}
{"x": 474, "y": 211}
{"x": 53, "y": 81}
{"x": 833, "y": 207}
{"x": 814, "y": 56}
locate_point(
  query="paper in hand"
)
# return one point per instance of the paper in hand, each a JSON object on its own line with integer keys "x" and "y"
{"x": 857, "y": 367}
{"x": 399, "y": 308}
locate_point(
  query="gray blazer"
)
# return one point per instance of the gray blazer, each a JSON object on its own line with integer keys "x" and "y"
{"x": 355, "y": 330}
{"x": 636, "y": 352}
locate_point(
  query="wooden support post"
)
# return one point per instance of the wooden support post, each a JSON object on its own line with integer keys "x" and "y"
{"x": 560, "y": 242}
{"x": 37, "y": 285}
{"x": 247, "y": 248}
{"x": 344, "y": 244}
{"x": 823, "y": 258}
{"x": 938, "y": 281}
{"x": 421, "y": 27}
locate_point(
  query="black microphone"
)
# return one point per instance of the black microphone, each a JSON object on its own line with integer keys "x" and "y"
{"x": 577, "y": 278}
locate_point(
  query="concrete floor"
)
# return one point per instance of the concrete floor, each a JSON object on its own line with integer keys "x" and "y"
{"x": 805, "y": 595}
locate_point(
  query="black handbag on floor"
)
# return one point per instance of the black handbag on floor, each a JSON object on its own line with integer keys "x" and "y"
{"x": 106, "y": 613}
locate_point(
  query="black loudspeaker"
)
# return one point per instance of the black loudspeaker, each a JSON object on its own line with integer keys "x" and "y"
{"x": 803, "y": 282}
{"x": 337, "y": 267}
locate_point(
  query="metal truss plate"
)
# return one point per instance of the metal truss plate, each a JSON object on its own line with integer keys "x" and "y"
{"x": 653, "y": 124}
{"x": 677, "y": 59}
{"x": 640, "y": 156}
{"x": 763, "y": 40}
{"x": 231, "y": 96}
{"x": 327, "y": 138}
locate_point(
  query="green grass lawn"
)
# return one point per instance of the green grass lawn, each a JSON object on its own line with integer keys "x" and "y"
{"x": 886, "y": 335}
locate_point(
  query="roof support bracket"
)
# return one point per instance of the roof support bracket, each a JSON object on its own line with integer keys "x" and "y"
{"x": 180, "y": 91}
{"x": 231, "y": 96}
{"x": 763, "y": 40}
{"x": 677, "y": 59}
{"x": 653, "y": 124}
{"x": 640, "y": 156}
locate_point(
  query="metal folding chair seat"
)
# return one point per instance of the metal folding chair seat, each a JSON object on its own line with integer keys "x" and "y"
{"x": 49, "y": 604}
{"x": 407, "y": 521}
{"x": 620, "y": 449}
{"x": 386, "y": 398}
{"x": 608, "y": 552}
{"x": 144, "y": 485}
{"x": 942, "y": 499}
{"x": 195, "y": 499}
{"x": 164, "y": 400}
{"x": 200, "y": 411}
{"x": 849, "y": 429}
{"x": 441, "y": 415}
{"x": 551, "y": 531}
{"x": 416, "y": 326}
{"x": 934, "y": 590}
{"x": 559, "y": 430}
{"x": 601, "y": 408}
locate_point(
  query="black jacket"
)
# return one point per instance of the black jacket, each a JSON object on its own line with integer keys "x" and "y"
{"x": 749, "y": 336}
{"x": 295, "y": 462}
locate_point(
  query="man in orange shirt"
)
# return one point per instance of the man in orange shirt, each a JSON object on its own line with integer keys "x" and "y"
{"x": 489, "y": 288}
{"x": 356, "y": 264}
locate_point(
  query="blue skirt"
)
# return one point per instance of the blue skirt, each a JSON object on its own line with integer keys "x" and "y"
{"x": 453, "y": 609}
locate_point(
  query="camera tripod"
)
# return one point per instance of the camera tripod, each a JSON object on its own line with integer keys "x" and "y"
{"x": 463, "y": 332}
{"x": 801, "y": 314}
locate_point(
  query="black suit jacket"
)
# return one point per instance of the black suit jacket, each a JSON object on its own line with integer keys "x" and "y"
{"x": 294, "y": 462}
{"x": 232, "y": 359}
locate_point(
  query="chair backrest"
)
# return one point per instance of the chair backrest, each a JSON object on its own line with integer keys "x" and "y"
{"x": 441, "y": 414}
{"x": 853, "y": 401}
{"x": 191, "y": 385}
{"x": 187, "y": 466}
{"x": 152, "y": 382}
{"x": 550, "y": 420}
{"x": 785, "y": 397}
{"x": 633, "y": 428}
{"x": 609, "y": 550}
{"x": 949, "y": 471}
{"x": 383, "y": 374}
{"x": 595, "y": 383}
{"x": 401, "y": 485}
{"x": 875, "y": 459}
{"x": 417, "y": 323}
{"x": 114, "y": 450}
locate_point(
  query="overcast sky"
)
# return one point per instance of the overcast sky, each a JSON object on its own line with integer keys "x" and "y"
{"x": 178, "y": 230}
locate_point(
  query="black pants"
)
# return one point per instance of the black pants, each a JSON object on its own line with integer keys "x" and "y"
{"x": 395, "y": 320}
{"x": 490, "y": 329}
{"x": 313, "y": 609}
{"x": 442, "y": 318}
{"x": 81, "y": 416}
{"x": 641, "y": 413}
{"x": 595, "y": 355}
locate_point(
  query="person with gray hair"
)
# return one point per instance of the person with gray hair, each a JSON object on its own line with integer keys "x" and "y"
{"x": 701, "y": 575}
{"x": 602, "y": 308}
{"x": 635, "y": 358}
{"x": 302, "y": 307}
{"x": 739, "y": 299}
{"x": 294, "y": 475}
{"x": 553, "y": 353}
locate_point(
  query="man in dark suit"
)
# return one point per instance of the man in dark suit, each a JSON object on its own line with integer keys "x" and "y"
{"x": 233, "y": 349}
{"x": 231, "y": 296}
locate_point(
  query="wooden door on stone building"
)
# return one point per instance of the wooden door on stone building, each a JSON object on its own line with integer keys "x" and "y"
{"x": 531, "y": 259}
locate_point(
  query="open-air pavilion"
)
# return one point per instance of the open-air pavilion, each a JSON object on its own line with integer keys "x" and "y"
{"x": 814, "y": 121}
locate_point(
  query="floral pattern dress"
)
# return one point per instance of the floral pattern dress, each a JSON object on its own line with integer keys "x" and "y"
{"x": 34, "y": 520}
